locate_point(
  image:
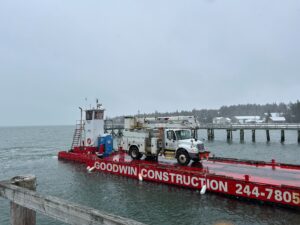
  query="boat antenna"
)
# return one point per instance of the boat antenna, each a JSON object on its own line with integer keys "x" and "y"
{"x": 86, "y": 102}
{"x": 97, "y": 104}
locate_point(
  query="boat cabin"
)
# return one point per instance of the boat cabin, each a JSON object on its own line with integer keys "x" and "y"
{"x": 93, "y": 125}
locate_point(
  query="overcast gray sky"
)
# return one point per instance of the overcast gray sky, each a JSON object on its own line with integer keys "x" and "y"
{"x": 144, "y": 55}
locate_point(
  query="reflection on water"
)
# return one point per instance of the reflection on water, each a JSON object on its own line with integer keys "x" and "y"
{"x": 33, "y": 150}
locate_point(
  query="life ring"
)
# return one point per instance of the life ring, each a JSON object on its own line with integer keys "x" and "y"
{"x": 88, "y": 141}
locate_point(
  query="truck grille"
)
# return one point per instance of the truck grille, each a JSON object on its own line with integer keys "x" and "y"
{"x": 200, "y": 147}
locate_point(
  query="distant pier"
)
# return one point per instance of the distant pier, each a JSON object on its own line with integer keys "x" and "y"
{"x": 253, "y": 127}
{"x": 229, "y": 128}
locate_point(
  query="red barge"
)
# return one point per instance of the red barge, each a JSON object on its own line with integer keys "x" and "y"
{"x": 270, "y": 182}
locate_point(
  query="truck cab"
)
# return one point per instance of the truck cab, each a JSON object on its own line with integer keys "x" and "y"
{"x": 183, "y": 145}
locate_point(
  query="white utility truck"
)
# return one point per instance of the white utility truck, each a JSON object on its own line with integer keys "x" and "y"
{"x": 171, "y": 137}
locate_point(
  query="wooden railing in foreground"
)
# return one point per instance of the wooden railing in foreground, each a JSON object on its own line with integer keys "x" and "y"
{"x": 25, "y": 202}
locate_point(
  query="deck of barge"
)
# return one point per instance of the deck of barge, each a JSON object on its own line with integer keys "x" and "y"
{"x": 264, "y": 181}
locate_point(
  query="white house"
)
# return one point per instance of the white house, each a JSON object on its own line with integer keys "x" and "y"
{"x": 248, "y": 119}
{"x": 275, "y": 118}
{"x": 221, "y": 120}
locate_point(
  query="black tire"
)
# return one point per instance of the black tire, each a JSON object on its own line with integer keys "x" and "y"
{"x": 183, "y": 158}
{"x": 196, "y": 160}
{"x": 134, "y": 152}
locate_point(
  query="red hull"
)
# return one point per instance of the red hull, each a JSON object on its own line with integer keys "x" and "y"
{"x": 268, "y": 182}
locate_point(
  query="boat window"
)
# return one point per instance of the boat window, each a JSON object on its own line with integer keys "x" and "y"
{"x": 98, "y": 115}
{"x": 89, "y": 115}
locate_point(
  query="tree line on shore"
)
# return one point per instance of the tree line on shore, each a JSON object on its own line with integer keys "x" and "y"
{"x": 290, "y": 111}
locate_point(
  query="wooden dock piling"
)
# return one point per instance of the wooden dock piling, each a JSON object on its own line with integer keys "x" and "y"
{"x": 229, "y": 135}
{"x": 20, "y": 215}
{"x": 242, "y": 135}
{"x": 253, "y": 135}
{"x": 268, "y": 135}
{"x": 208, "y": 134}
{"x": 282, "y": 139}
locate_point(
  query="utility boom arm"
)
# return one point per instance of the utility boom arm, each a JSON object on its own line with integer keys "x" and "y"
{"x": 161, "y": 122}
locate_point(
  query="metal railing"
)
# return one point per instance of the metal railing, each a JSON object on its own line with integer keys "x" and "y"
{"x": 256, "y": 126}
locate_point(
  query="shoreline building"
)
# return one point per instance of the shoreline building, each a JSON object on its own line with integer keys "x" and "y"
{"x": 247, "y": 119}
{"x": 274, "y": 117}
{"x": 221, "y": 120}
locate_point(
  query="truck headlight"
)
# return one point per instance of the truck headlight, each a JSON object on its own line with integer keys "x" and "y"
{"x": 194, "y": 149}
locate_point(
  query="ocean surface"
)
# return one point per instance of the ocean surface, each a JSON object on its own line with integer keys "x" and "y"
{"x": 33, "y": 150}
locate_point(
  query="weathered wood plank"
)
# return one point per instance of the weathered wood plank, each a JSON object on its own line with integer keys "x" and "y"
{"x": 20, "y": 215}
{"x": 59, "y": 209}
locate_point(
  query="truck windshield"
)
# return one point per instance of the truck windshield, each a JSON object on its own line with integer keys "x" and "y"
{"x": 183, "y": 134}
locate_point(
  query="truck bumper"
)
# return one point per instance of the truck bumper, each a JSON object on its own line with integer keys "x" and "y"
{"x": 201, "y": 155}
{"x": 194, "y": 155}
{"x": 204, "y": 155}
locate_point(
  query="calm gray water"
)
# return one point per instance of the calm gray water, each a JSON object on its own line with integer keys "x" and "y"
{"x": 33, "y": 150}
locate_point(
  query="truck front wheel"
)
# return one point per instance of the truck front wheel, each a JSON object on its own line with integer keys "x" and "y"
{"x": 183, "y": 158}
{"x": 134, "y": 152}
